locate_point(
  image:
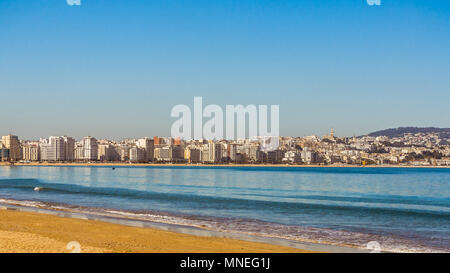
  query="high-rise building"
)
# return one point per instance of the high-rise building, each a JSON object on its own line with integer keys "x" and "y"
{"x": 124, "y": 152}
{"x": 52, "y": 149}
{"x": 90, "y": 148}
{"x": 69, "y": 148}
{"x": 4, "y": 153}
{"x": 11, "y": 142}
{"x": 107, "y": 152}
{"x": 177, "y": 153}
{"x": 30, "y": 152}
{"x": 78, "y": 151}
{"x": 137, "y": 155}
{"x": 215, "y": 151}
{"x": 275, "y": 157}
{"x": 148, "y": 145}
{"x": 163, "y": 154}
{"x": 204, "y": 153}
{"x": 232, "y": 151}
{"x": 192, "y": 155}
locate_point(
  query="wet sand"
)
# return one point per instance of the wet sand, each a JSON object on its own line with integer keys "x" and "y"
{"x": 36, "y": 232}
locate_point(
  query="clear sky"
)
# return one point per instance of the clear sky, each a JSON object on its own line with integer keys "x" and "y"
{"x": 115, "y": 68}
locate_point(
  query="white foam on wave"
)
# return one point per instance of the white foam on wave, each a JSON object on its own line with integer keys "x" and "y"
{"x": 33, "y": 204}
{"x": 295, "y": 233}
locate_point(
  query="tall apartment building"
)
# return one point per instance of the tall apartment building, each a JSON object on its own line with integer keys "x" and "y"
{"x": 11, "y": 142}
{"x": 4, "y": 153}
{"x": 177, "y": 153}
{"x": 163, "y": 153}
{"x": 124, "y": 152}
{"x": 30, "y": 152}
{"x": 90, "y": 148}
{"x": 79, "y": 151}
{"x": 192, "y": 155}
{"x": 204, "y": 153}
{"x": 215, "y": 152}
{"x": 69, "y": 148}
{"x": 148, "y": 145}
{"x": 138, "y": 155}
{"x": 53, "y": 149}
{"x": 232, "y": 151}
{"x": 56, "y": 148}
{"x": 107, "y": 152}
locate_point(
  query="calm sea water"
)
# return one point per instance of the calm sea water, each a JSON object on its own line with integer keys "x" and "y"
{"x": 403, "y": 209}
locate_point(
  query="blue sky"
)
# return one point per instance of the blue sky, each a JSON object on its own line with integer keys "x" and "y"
{"x": 116, "y": 68}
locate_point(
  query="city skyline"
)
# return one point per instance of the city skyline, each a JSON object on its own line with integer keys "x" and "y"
{"x": 106, "y": 68}
{"x": 125, "y": 137}
{"x": 403, "y": 146}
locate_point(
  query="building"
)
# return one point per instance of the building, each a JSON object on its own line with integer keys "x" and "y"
{"x": 275, "y": 157}
{"x": 124, "y": 152}
{"x": 69, "y": 148}
{"x": 309, "y": 156}
{"x": 215, "y": 152}
{"x": 138, "y": 155}
{"x": 204, "y": 154}
{"x": 163, "y": 154}
{"x": 107, "y": 152}
{"x": 90, "y": 148}
{"x": 4, "y": 153}
{"x": 55, "y": 148}
{"x": 79, "y": 151}
{"x": 52, "y": 149}
{"x": 232, "y": 151}
{"x": 148, "y": 145}
{"x": 177, "y": 153}
{"x": 31, "y": 152}
{"x": 292, "y": 157}
{"x": 11, "y": 142}
{"x": 192, "y": 155}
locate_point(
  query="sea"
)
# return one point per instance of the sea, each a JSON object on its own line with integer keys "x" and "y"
{"x": 395, "y": 209}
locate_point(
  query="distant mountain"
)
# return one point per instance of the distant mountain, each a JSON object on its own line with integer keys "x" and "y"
{"x": 399, "y": 132}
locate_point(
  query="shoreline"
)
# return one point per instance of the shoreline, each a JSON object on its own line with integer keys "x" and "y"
{"x": 122, "y": 164}
{"x": 279, "y": 244}
{"x": 29, "y": 231}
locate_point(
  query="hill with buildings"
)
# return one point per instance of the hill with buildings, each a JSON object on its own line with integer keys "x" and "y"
{"x": 443, "y": 133}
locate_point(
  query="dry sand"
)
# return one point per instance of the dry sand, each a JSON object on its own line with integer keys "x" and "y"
{"x": 36, "y": 232}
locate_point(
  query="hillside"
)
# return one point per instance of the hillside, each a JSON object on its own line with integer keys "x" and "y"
{"x": 398, "y": 132}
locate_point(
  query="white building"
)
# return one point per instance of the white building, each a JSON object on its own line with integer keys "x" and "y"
{"x": 148, "y": 145}
{"x": 215, "y": 152}
{"x": 69, "y": 148}
{"x": 137, "y": 154}
{"x": 90, "y": 148}
{"x": 52, "y": 149}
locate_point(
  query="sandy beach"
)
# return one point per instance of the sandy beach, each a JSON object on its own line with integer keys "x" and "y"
{"x": 41, "y": 233}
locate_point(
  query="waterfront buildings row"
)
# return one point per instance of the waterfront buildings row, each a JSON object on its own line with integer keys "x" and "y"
{"x": 418, "y": 149}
